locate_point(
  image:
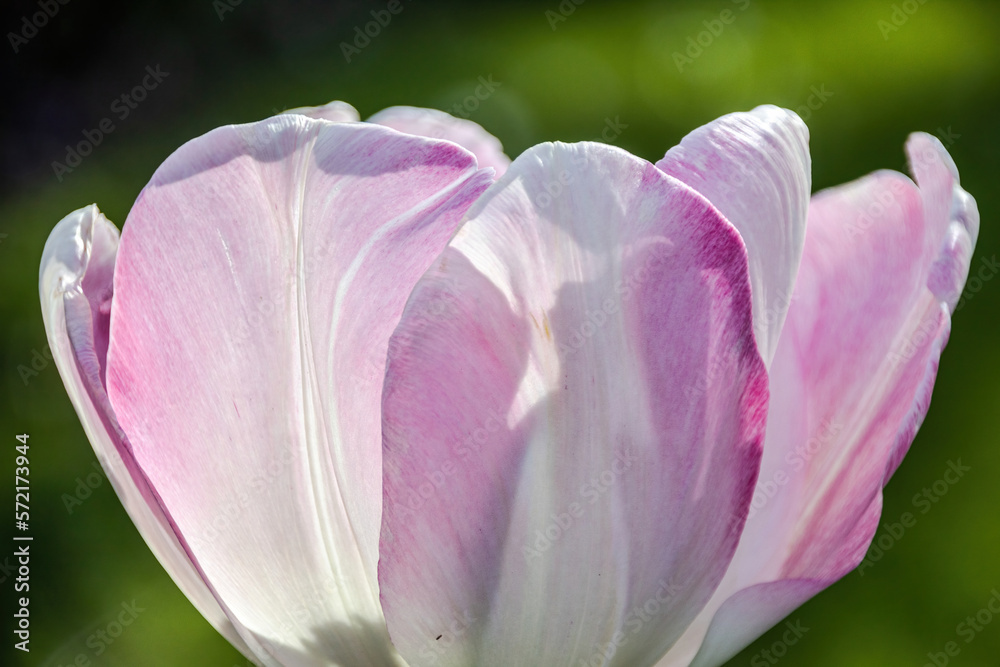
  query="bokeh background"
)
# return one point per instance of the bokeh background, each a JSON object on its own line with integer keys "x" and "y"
{"x": 863, "y": 74}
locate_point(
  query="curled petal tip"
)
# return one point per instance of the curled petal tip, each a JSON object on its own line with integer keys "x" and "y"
{"x": 336, "y": 111}
{"x": 68, "y": 249}
{"x": 947, "y": 208}
{"x": 440, "y": 125}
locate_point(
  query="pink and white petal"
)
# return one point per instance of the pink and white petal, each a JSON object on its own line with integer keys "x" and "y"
{"x": 755, "y": 168}
{"x": 850, "y": 386}
{"x": 945, "y": 203}
{"x": 259, "y": 277}
{"x": 572, "y": 419}
{"x": 336, "y": 111}
{"x": 75, "y": 287}
{"x": 440, "y": 125}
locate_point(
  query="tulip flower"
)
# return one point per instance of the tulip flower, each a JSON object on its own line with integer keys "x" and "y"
{"x": 226, "y": 358}
{"x": 665, "y": 399}
{"x": 595, "y": 371}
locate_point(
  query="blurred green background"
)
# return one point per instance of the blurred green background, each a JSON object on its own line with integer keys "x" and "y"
{"x": 862, "y": 74}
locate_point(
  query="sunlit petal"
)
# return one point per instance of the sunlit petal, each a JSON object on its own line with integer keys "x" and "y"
{"x": 573, "y": 413}
{"x": 258, "y": 279}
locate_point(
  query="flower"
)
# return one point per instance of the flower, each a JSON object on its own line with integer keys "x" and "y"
{"x": 226, "y": 358}
{"x": 631, "y": 414}
{"x": 666, "y": 399}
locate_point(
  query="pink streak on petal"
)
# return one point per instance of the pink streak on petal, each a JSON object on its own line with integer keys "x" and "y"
{"x": 755, "y": 169}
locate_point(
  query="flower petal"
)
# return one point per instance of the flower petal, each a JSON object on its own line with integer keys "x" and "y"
{"x": 75, "y": 287}
{"x": 440, "y": 125}
{"x": 336, "y": 111}
{"x": 259, "y": 277}
{"x": 850, "y": 386}
{"x": 564, "y": 464}
{"x": 754, "y": 167}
